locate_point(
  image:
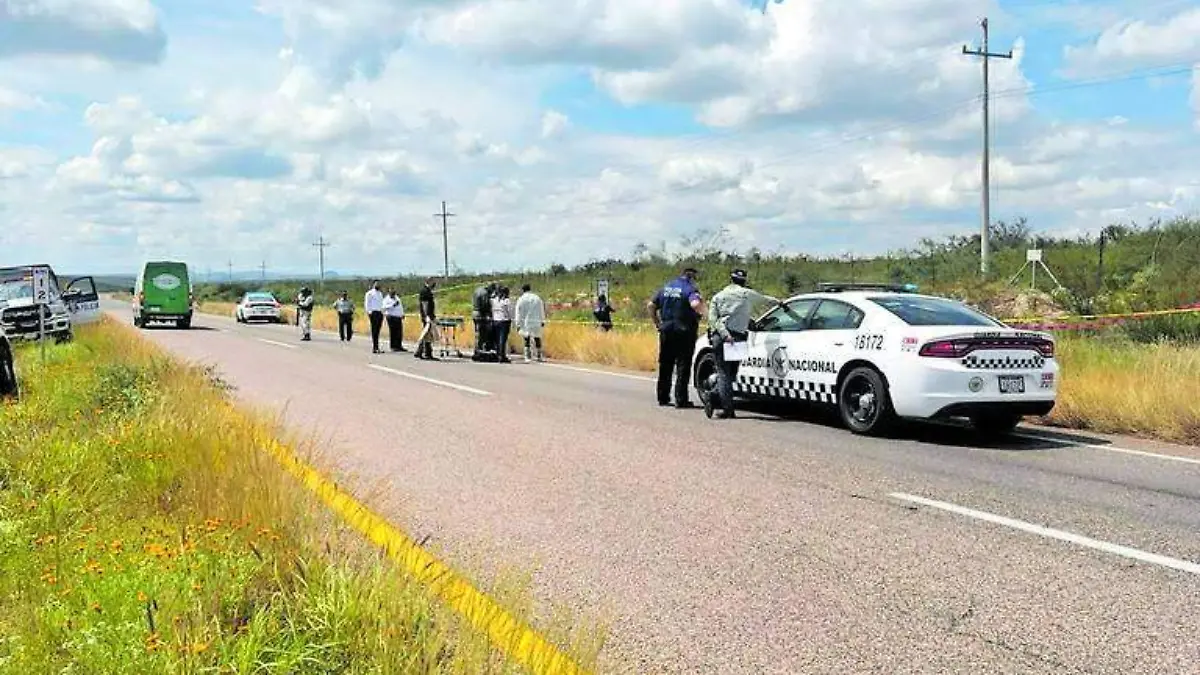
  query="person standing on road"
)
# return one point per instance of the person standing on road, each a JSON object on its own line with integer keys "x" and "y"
{"x": 676, "y": 309}
{"x": 429, "y": 329}
{"x": 530, "y": 318}
{"x": 393, "y": 309}
{"x": 729, "y": 324}
{"x": 481, "y": 313}
{"x": 304, "y": 310}
{"x": 502, "y": 315}
{"x": 345, "y": 311}
{"x": 373, "y": 304}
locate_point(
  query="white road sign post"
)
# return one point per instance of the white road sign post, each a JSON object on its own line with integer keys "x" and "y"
{"x": 41, "y": 298}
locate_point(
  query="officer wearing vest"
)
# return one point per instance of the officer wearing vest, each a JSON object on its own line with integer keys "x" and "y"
{"x": 729, "y": 323}
{"x": 676, "y": 309}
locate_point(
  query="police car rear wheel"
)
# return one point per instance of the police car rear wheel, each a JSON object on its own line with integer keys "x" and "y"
{"x": 703, "y": 376}
{"x": 864, "y": 403}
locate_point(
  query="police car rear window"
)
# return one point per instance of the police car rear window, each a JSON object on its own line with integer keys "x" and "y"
{"x": 933, "y": 312}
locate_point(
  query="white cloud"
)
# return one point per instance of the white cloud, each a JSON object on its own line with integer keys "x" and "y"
{"x": 112, "y": 30}
{"x": 850, "y": 125}
{"x": 12, "y": 100}
{"x": 554, "y": 123}
{"x": 1136, "y": 44}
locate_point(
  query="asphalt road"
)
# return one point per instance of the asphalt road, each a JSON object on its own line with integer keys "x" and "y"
{"x": 765, "y": 544}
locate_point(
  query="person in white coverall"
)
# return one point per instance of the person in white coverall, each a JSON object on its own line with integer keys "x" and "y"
{"x": 530, "y": 320}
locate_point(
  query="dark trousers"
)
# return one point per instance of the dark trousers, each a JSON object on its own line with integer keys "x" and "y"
{"x": 675, "y": 348}
{"x": 483, "y": 334}
{"x": 345, "y": 326}
{"x": 500, "y": 331}
{"x": 396, "y": 333}
{"x": 726, "y": 375}
{"x": 376, "y": 327}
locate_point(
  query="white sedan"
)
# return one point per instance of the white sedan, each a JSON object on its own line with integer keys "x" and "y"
{"x": 880, "y": 352}
{"x": 258, "y": 307}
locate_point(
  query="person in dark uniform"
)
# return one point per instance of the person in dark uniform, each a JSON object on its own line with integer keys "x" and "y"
{"x": 481, "y": 312}
{"x": 603, "y": 313}
{"x": 429, "y": 329}
{"x": 676, "y": 310}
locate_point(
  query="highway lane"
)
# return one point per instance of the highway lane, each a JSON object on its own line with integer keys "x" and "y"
{"x": 756, "y": 545}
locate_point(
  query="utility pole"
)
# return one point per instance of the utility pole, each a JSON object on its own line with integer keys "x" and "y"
{"x": 986, "y": 165}
{"x": 230, "y": 271}
{"x": 444, "y": 215}
{"x": 263, "y": 268}
{"x": 321, "y": 245}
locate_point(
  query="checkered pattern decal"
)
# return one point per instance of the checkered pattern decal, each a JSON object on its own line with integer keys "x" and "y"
{"x": 1004, "y": 363}
{"x": 794, "y": 389}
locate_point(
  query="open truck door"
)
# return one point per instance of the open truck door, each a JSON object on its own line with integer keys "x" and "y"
{"x": 82, "y": 300}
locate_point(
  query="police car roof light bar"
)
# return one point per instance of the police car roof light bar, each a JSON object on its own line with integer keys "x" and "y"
{"x": 835, "y": 287}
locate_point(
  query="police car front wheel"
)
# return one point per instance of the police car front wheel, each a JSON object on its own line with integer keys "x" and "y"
{"x": 864, "y": 403}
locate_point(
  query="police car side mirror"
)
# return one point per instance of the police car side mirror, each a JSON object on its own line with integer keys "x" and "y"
{"x": 753, "y": 325}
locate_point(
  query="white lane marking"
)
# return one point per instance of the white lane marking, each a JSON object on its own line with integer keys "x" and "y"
{"x": 1079, "y": 540}
{"x": 440, "y": 383}
{"x": 598, "y": 372}
{"x": 277, "y": 344}
{"x": 1109, "y": 448}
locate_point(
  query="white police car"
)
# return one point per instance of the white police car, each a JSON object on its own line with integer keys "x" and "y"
{"x": 881, "y": 352}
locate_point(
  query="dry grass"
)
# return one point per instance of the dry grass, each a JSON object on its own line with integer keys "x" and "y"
{"x": 141, "y": 530}
{"x": 1127, "y": 388}
{"x": 1108, "y": 385}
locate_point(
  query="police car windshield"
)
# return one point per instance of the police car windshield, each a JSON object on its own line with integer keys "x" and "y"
{"x": 260, "y": 296}
{"x": 918, "y": 311}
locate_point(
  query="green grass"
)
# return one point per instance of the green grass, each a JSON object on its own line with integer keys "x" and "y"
{"x": 141, "y": 531}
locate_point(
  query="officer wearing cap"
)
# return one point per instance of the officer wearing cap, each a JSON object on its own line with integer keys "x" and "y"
{"x": 676, "y": 309}
{"x": 729, "y": 322}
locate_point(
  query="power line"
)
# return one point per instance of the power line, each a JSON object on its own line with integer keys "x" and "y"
{"x": 445, "y": 238}
{"x": 985, "y": 165}
{"x": 321, "y": 244}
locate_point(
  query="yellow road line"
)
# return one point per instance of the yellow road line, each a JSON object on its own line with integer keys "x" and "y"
{"x": 518, "y": 641}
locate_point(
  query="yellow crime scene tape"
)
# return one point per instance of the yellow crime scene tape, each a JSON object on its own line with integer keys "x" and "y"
{"x": 1101, "y": 317}
{"x": 515, "y": 639}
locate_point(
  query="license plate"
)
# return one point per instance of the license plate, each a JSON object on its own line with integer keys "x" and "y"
{"x": 1012, "y": 384}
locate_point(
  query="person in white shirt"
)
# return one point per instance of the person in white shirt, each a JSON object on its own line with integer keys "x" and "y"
{"x": 502, "y": 316}
{"x": 373, "y": 304}
{"x": 393, "y": 309}
{"x": 530, "y": 317}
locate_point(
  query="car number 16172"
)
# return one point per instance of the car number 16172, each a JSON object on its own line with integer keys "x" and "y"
{"x": 873, "y": 342}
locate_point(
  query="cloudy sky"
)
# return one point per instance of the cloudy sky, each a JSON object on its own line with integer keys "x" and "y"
{"x": 220, "y": 131}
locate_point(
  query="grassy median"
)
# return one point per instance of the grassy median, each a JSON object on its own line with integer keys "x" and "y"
{"x": 142, "y": 531}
